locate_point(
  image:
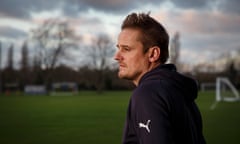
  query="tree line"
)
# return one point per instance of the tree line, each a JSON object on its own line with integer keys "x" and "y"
{"x": 100, "y": 77}
{"x": 46, "y": 60}
{"x": 46, "y": 55}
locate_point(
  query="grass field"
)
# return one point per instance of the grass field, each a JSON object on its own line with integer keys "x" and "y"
{"x": 89, "y": 118}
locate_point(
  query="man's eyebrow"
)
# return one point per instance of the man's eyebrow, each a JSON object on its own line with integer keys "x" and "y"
{"x": 122, "y": 46}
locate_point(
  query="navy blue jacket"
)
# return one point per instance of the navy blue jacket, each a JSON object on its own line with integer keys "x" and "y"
{"x": 162, "y": 110}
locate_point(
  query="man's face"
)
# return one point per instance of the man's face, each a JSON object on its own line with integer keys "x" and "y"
{"x": 133, "y": 63}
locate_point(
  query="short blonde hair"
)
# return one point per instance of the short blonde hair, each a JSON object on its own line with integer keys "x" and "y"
{"x": 153, "y": 33}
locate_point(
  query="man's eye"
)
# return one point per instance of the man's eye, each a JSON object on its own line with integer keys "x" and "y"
{"x": 127, "y": 49}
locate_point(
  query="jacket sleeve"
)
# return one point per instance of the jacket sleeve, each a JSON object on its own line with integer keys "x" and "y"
{"x": 150, "y": 114}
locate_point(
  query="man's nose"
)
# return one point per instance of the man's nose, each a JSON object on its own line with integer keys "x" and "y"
{"x": 117, "y": 56}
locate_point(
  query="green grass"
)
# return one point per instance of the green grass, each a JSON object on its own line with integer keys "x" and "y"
{"x": 221, "y": 125}
{"x": 89, "y": 118}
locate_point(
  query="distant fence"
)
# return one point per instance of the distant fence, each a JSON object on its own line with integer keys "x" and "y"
{"x": 64, "y": 89}
{"x": 35, "y": 89}
{"x": 208, "y": 86}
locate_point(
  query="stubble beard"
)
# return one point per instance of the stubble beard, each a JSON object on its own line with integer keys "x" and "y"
{"x": 123, "y": 76}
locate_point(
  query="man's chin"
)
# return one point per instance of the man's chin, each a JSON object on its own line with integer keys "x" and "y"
{"x": 123, "y": 76}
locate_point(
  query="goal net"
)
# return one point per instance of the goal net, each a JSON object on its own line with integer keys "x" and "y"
{"x": 64, "y": 89}
{"x": 225, "y": 91}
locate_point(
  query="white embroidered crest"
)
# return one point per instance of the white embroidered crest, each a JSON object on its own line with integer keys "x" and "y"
{"x": 146, "y": 126}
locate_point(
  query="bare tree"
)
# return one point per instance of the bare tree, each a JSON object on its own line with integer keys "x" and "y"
{"x": 175, "y": 49}
{"x": 10, "y": 58}
{"x": 55, "y": 39}
{"x": 9, "y": 74}
{"x": 24, "y": 66}
{"x": 24, "y": 59}
{"x": 100, "y": 53}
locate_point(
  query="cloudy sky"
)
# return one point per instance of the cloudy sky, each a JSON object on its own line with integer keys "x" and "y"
{"x": 207, "y": 28}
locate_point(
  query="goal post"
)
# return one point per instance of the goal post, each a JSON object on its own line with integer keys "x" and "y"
{"x": 225, "y": 91}
{"x": 222, "y": 84}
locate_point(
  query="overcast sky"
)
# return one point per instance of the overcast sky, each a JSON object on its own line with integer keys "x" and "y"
{"x": 207, "y": 28}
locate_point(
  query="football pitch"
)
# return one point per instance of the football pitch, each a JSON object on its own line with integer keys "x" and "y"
{"x": 89, "y": 118}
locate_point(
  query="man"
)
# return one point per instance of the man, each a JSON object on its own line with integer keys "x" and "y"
{"x": 162, "y": 108}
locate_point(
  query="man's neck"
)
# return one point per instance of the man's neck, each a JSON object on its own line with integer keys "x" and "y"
{"x": 150, "y": 67}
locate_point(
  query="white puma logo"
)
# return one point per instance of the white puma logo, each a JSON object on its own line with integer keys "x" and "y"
{"x": 142, "y": 125}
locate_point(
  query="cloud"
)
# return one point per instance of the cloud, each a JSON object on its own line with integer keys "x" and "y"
{"x": 190, "y": 4}
{"x": 205, "y": 26}
{"x": 22, "y": 8}
{"x": 108, "y": 5}
{"x": 203, "y": 34}
{"x": 193, "y": 21}
{"x": 12, "y": 33}
{"x": 229, "y": 6}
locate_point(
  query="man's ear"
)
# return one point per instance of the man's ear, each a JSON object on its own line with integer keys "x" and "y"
{"x": 154, "y": 54}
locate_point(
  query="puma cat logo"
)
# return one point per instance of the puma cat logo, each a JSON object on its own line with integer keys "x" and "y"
{"x": 146, "y": 126}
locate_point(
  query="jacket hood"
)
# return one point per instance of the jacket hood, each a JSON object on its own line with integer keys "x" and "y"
{"x": 168, "y": 73}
